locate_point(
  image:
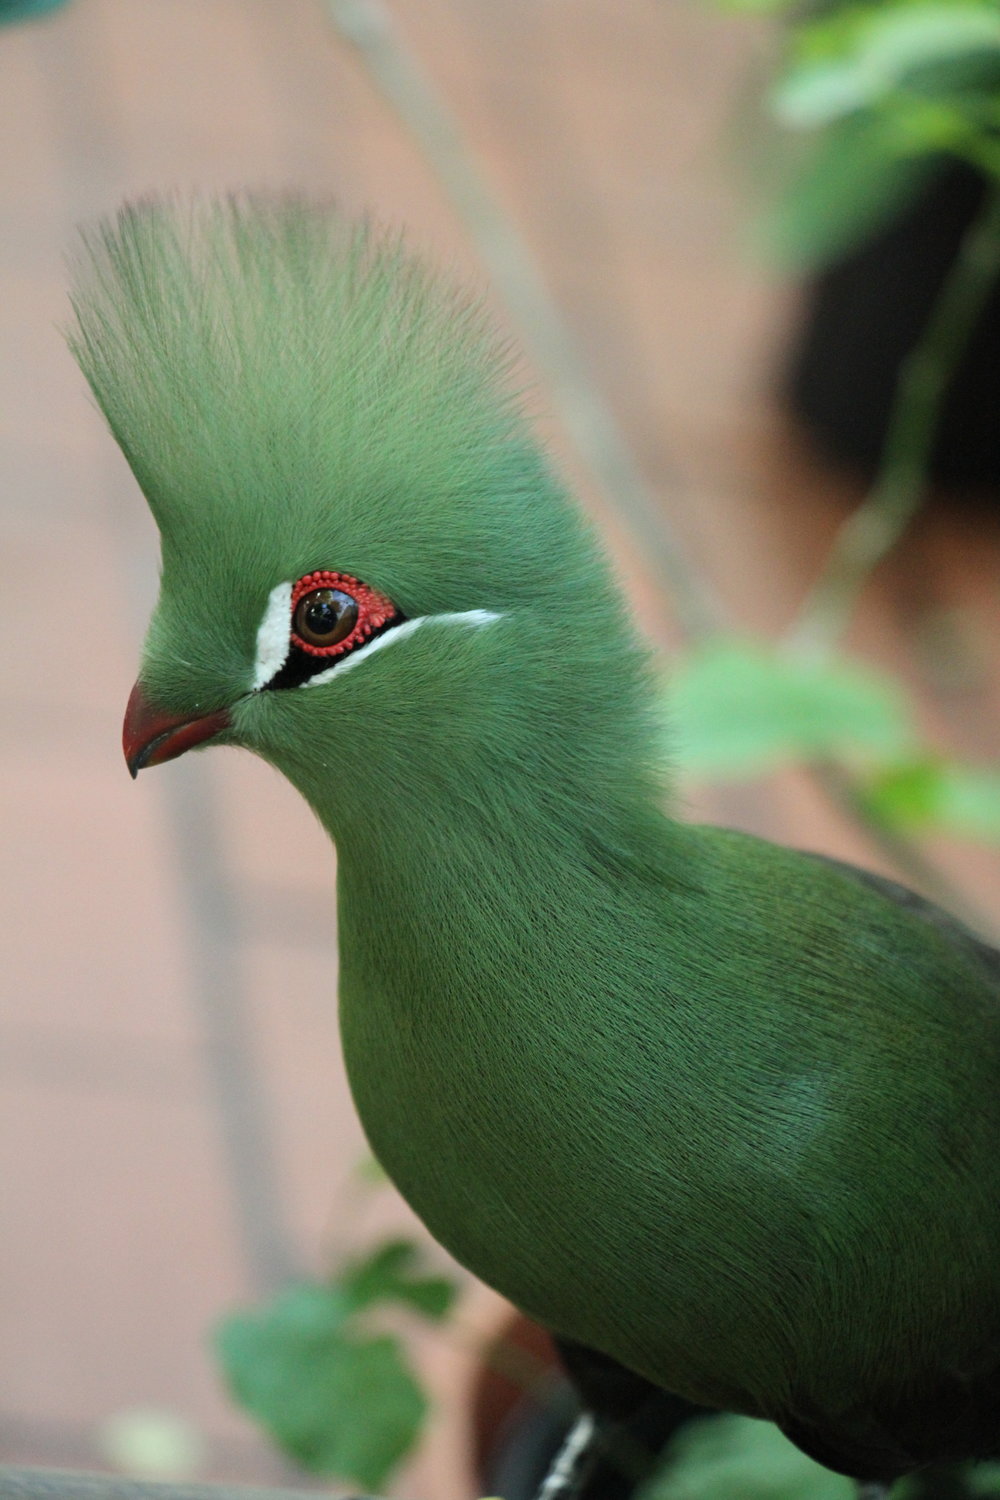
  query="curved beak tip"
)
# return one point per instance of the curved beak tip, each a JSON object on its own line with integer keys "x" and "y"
{"x": 150, "y": 736}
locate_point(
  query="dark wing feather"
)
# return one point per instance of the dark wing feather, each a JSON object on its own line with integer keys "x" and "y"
{"x": 955, "y": 931}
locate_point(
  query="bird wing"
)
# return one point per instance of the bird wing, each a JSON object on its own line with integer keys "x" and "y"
{"x": 935, "y": 916}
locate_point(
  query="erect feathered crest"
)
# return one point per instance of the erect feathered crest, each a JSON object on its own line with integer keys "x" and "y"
{"x": 249, "y": 342}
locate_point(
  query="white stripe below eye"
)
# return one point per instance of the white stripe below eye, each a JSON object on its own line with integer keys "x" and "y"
{"x": 470, "y": 617}
{"x": 273, "y": 635}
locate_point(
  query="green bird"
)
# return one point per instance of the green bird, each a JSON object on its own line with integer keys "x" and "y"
{"x": 723, "y": 1116}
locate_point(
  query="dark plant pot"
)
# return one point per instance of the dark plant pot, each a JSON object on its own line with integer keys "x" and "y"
{"x": 517, "y": 1431}
{"x": 527, "y": 1444}
{"x": 863, "y": 316}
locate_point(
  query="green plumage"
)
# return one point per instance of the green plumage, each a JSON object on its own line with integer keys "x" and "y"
{"x": 725, "y": 1112}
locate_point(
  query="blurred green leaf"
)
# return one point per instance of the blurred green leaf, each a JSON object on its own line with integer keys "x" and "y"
{"x": 369, "y": 1171}
{"x": 739, "y": 707}
{"x": 24, "y": 10}
{"x": 860, "y": 173}
{"x": 814, "y": 93}
{"x": 722, "y": 1457}
{"x": 858, "y": 57}
{"x": 388, "y": 1276}
{"x": 335, "y": 1400}
{"x": 927, "y": 794}
{"x": 879, "y": 94}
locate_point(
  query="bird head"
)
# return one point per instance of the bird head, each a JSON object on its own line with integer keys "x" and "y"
{"x": 364, "y": 554}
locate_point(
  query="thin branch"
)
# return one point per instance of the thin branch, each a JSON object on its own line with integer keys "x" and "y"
{"x": 881, "y": 519}
{"x": 367, "y": 26}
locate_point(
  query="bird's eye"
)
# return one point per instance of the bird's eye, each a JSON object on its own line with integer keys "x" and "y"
{"x": 325, "y": 617}
{"x": 332, "y": 614}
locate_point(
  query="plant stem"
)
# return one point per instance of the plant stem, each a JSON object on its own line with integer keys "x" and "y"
{"x": 898, "y": 492}
{"x": 367, "y": 26}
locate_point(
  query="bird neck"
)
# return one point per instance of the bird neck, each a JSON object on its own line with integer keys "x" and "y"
{"x": 529, "y": 768}
{"x": 498, "y": 824}
{"x": 482, "y": 907}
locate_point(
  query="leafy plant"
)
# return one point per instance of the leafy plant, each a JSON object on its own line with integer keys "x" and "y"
{"x": 872, "y": 96}
{"x": 336, "y": 1393}
{"x": 722, "y": 1457}
{"x": 932, "y": 793}
{"x": 738, "y": 708}
{"x": 877, "y": 94}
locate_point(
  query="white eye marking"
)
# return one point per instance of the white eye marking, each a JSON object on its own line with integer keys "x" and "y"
{"x": 470, "y": 617}
{"x": 273, "y": 635}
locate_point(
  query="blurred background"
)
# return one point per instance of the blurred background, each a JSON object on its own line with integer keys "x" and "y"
{"x": 176, "y": 1137}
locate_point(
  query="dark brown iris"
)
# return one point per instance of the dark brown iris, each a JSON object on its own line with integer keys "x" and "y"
{"x": 325, "y": 617}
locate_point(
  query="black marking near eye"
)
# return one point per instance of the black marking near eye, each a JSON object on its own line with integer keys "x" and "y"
{"x": 332, "y": 616}
{"x": 300, "y": 665}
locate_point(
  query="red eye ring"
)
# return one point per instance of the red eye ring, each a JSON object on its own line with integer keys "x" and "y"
{"x": 374, "y": 610}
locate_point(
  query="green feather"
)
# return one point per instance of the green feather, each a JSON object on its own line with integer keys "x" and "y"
{"x": 724, "y": 1111}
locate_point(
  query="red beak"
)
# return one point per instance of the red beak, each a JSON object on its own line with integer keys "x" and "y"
{"x": 150, "y": 736}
